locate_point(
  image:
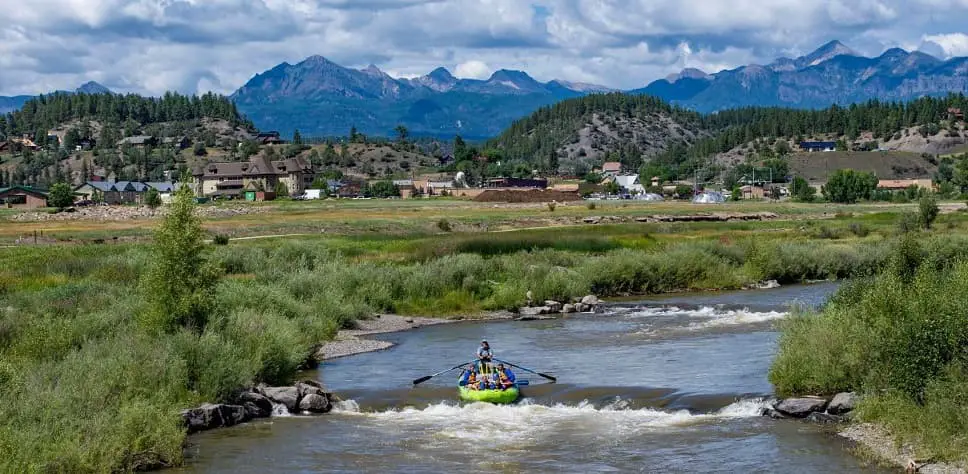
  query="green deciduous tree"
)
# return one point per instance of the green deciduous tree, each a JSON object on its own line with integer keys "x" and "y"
{"x": 281, "y": 189}
{"x": 180, "y": 284}
{"x": 849, "y": 186}
{"x": 61, "y": 195}
{"x": 384, "y": 189}
{"x": 802, "y": 191}
{"x": 927, "y": 211}
{"x": 152, "y": 198}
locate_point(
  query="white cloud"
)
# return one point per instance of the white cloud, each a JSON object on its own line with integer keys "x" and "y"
{"x": 149, "y": 46}
{"x": 953, "y": 44}
{"x": 473, "y": 69}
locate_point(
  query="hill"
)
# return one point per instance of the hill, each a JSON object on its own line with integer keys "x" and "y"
{"x": 833, "y": 74}
{"x": 10, "y": 104}
{"x": 321, "y": 98}
{"x": 579, "y": 134}
{"x": 75, "y": 135}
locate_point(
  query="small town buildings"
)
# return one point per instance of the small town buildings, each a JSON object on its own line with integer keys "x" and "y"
{"x": 124, "y": 192}
{"x": 611, "y": 168}
{"x": 23, "y": 197}
{"x": 269, "y": 138}
{"x": 955, "y": 114}
{"x": 818, "y": 146}
{"x": 139, "y": 141}
{"x": 17, "y": 145}
{"x": 630, "y": 184}
{"x": 903, "y": 184}
{"x": 177, "y": 143}
{"x": 258, "y": 174}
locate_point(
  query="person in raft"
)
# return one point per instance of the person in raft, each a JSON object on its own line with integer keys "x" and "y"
{"x": 469, "y": 378}
{"x": 484, "y": 355}
{"x": 506, "y": 377}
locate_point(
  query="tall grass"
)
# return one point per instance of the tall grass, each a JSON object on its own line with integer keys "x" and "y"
{"x": 88, "y": 389}
{"x": 899, "y": 337}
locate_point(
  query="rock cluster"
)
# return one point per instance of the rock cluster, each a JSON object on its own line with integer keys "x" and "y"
{"x": 550, "y": 308}
{"x": 715, "y": 217}
{"x": 123, "y": 213}
{"x": 305, "y": 397}
{"x": 815, "y": 409}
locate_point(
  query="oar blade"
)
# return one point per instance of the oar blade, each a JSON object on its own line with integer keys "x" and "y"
{"x": 548, "y": 377}
{"x": 422, "y": 379}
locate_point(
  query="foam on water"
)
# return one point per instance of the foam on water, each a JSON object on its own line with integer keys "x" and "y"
{"x": 527, "y": 422}
{"x": 711, "y": 317}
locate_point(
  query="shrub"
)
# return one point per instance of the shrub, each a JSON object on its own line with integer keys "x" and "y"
{"x": 220, "y": 239}
{"x": 444, "y": 225}
{"x": 858, "y": 229}
{"x": 927, "y": 211}
{"x": 551, "y": 206}
{"x": 591, "y": 206}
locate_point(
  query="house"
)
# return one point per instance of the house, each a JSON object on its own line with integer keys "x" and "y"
{"x": 258, "y": 174}
{"x": 350, "y": 190}
{"x": 439, "y": 187}
{"x": 611, "y": 168}
{"x": 818, "y": 146}
{"x": 23, "y": 197}
{"x": 955, "y": 114}
{"x": 90, "y": 189}
{"x": 269, "y": 138}
{"x": 517, "y": 183}
{"x": 17, "y": 145}
{"x": 752, "y": 192}
{"x": 630, "y": 184}
{"x": 178, "y": 143}
{"x": 86, "y": 144}
{"x": 902, "y": 184}
{"x": 406, "y": 186}
{"x": 139, "y": 141}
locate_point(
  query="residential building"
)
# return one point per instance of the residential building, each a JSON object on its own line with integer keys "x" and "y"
{"x": 23, "y": 197}
{"x": 818, "y": 146}
{"x": 139, "y": 141}
{"x": 406, "y": 186}
{"x": 258, "y": 174}
{"x": 902, "y": 184}
{"x": 178, "y": 143}
{"x": 611, "y": 168}
{"x": 955, "y": 114}
{"x": 16, "y": 145}
{"x": 630, "y": 184}
{"x": 269, "y": 138}
{"x": 108, "y": 193}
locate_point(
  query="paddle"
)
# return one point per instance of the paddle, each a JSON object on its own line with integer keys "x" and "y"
{"x": 528, "y": 370}
{"x": 428, "y": 377}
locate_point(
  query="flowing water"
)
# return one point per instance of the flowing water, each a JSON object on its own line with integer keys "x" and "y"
{"x": 669, "y": 384}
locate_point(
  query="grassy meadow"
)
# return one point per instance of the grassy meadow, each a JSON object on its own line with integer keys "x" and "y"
{"x": 92, "y": 385}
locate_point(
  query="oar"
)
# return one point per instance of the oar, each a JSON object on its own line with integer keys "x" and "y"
{"x": 528, "y": 370}
{"x": 428, "y": 377}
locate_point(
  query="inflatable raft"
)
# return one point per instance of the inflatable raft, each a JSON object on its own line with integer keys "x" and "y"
{"x": 509, "y": 395}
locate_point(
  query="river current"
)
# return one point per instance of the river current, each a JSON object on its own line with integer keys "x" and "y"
{"x": 671, "y": 384}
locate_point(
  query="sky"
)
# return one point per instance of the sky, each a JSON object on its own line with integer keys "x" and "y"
{"x": 195, "y": 46}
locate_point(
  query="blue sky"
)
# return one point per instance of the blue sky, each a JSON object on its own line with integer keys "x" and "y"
{"x": 150, "y": 46}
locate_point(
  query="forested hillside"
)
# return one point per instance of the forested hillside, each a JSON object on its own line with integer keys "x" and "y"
{"x": 582, "y": 133}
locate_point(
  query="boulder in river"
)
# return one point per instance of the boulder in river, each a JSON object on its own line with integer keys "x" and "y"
{"x": 553, "y": 306}
{"x": 801, "y": 407}
{"x": 288, "y": 396}
{"x": 590, "y": 300}
{"x": 843, "y": 403}
{"x": 315, "y": 403}
{"x": 534, "y": 311}
{"x": 568, "y": 308}
{"x": 210, "y": 416}
{"x": 256, "y": 404}
{"x": 308, "y": 387}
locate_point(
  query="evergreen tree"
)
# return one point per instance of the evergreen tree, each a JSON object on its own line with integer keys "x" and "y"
{"x": 297, "y": 138}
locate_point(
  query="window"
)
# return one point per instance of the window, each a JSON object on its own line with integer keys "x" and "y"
{"x": 17, "y": 199}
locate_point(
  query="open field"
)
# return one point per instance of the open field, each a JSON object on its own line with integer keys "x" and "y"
{"x": 411, "y": 217}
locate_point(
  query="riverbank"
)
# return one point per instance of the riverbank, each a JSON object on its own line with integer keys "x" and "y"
{"x": 349, "y": 342}
{"x": 898, "y": 338}
{"x": 879, "y": 444}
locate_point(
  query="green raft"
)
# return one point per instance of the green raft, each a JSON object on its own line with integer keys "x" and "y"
{"x": 489, "y": 396}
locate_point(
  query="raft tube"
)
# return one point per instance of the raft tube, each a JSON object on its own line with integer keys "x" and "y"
{"x": 489, "y": 396}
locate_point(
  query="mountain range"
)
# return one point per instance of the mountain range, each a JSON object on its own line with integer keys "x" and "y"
{"x": 833, "y": 74}
{"x": 321, "y": 98}
{"x": 9, "y": 104}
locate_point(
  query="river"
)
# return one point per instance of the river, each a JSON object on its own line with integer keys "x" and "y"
{"x": 671, "y": 384}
